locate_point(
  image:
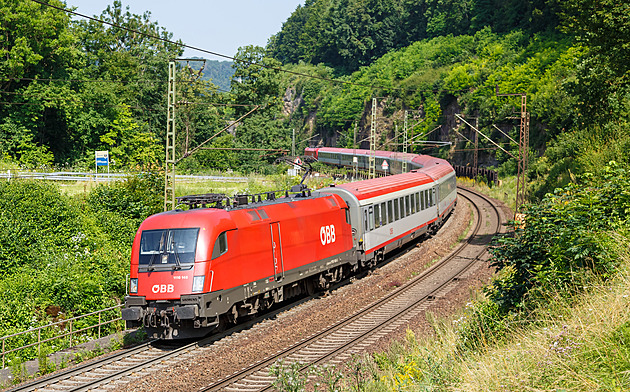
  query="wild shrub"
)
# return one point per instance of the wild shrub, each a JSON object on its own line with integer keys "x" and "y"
{"x": 135, "y": 198}
{"x": 563, "y": 241}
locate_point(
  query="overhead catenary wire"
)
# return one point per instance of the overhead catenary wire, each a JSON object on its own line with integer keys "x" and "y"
{"x": 80, "y": 100}
{"x": 338, "y": 81}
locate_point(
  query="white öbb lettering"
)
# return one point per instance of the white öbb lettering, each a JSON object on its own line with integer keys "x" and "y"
{"x": 162, "y": 288}
{"x": 327, "y": 234}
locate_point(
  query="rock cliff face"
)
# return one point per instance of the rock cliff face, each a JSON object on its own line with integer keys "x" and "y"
{"x": 390, "y": 118}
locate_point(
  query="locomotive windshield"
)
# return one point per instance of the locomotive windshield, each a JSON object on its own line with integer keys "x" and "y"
{"x": 168, "y": 247}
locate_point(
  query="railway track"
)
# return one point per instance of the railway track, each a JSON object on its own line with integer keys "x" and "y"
{"x": 337, "y": 343}
{"x": 333, "y": 345}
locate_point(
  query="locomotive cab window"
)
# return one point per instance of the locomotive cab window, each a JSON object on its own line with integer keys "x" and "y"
{"x": 220, "y": 246}
{"x": 168, "y": 246}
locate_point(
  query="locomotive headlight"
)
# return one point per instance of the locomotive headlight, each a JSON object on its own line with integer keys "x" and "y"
{"x": 198, "y": 283}
{"x": 133, "y": 285}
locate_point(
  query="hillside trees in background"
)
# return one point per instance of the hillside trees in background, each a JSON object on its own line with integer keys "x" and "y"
{"x": 347, "y": 34}
{"x": 600, "y": 90}
{"x": 604, "y": 75}
{"x": 219, "y": 73}
{"x": 255, "y": 85}
{"x": 135, "y": 73}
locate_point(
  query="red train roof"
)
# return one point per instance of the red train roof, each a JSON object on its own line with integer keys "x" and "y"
{"x": 367, "y": 189}
{"x": 377, "y": 153}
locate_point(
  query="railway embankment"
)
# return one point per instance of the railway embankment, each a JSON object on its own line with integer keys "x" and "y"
{"x": 555, "y": 316}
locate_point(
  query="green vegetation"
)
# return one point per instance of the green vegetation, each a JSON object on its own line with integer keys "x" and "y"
{"x": 64, "y": 256}
{"x": 347, "y": 34}
{"x": 555, "y": 317}
{"x": 72, "y": 87}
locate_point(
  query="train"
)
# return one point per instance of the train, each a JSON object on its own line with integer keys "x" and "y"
{"x": 223, "y": 260}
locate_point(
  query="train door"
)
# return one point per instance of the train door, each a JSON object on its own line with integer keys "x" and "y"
{"x": 276, "y": 249}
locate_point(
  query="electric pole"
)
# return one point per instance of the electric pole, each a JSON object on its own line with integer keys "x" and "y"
{"x": 405, "y": 142}
{"x": 169, "y": 170}
{"x": 476, "y": 153}
{"x": 372, "y": 160}
{"x": 523, "y": 150}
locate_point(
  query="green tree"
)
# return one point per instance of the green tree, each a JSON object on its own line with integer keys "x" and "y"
{"x": 604, "y": 76}
{"x": 36, "y": 42}
{"x": 256, "y": 80}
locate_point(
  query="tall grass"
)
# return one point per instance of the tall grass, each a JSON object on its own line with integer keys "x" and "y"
{"x": 574, "y": 344}
{"x": 505, "y": 191}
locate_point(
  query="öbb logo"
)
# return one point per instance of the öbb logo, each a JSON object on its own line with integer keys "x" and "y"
{"x": 162, "y": 288}
{"x": 327, "y": 234}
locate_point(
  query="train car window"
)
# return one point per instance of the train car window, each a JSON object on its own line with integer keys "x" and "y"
{"x": 366, "y": 227}
{"x": 432, "y": 197}
{"x": 383, "y": 214}
{"x": 396, "y": 216}
{"x": 413, "y": 203}
{"x": 426, "y": 199}
{"x": 418, "y": 202}
{"x": 168, "y": 246}
{"x": 407, "y": 205}
{"x": 402, "y": 207}
{"x": 377, "y": 216}
{"x": 390, "y": 212}
{"x": 263, "y": 214}
{"x": 371, "y": 218}
{"x": 220, "y": 246}
{"x": 422, "y": 200}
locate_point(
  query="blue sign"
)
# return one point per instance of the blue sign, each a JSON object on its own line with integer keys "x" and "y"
{"x": 102, "y": 158}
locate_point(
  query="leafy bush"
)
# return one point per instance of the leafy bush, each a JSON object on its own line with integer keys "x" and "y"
{"x": 36, "y": 219}
{"x": 135, "y": 198}
{"x": 563, "y": 242}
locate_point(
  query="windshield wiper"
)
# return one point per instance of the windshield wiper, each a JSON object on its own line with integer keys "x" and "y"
{"x": 177, "y": 265}
{"x": 150, "y": 265}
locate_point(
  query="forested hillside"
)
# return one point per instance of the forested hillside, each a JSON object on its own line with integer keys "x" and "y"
{"x": 568, "y": 57}
{"x": 352, "y": 33}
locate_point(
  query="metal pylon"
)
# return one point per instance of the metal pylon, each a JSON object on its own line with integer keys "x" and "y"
{"x": 169, "y": 170}
{"x": 405, "y": 143}
{"x": 372, "y": 160}
{"x": 523, "y": 152}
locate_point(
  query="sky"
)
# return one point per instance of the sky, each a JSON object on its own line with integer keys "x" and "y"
{"x": 215, "y": 25}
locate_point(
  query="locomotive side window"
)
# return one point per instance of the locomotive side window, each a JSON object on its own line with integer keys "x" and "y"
{"x": 347, "y": 215}
{"x": 168, "y": 246}
{"x": 390, "y": 212}
{"x": 220, "y": 246}
{"x": 377, "y": 216}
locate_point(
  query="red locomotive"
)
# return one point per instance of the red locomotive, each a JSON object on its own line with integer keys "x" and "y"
{"x": 196, "y": 270}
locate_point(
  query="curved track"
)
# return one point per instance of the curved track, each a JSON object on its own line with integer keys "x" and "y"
{"x": 337, "y": 343}
{"x": 332, "y": 345}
